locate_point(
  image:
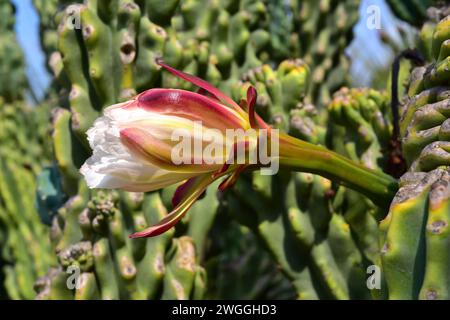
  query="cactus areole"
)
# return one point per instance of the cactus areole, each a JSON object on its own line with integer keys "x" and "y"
{"x": 136, "y": 143}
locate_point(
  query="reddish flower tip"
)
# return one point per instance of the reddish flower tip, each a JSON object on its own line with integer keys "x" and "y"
{"x": 251, "y": 101}
{"x": 202, "y": 84}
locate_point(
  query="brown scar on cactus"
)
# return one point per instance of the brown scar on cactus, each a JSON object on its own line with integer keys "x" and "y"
{"x": 440, "y": 191}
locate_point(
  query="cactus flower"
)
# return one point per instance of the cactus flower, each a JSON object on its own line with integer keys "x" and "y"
{"x": 133, "y": 143}
{"x": 133, "y": 147}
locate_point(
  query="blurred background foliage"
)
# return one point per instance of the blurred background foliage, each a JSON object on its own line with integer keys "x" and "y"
{"x": 395, "y": 35}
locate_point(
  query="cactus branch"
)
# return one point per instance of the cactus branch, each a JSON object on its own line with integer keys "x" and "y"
{"x": 415, "y": 57}
{"x": 397, "y": 163}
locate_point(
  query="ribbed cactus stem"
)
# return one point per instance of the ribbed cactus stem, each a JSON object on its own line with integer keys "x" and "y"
{"x": 302, "y": 156}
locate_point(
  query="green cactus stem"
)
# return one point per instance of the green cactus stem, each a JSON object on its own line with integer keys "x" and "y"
{"x": 303, "y": 156}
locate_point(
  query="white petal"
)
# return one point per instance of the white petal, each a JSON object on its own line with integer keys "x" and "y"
{"x": 112, "y": 166}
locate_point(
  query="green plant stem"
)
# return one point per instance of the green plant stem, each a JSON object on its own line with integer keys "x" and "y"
{"x": 302, "y": 156}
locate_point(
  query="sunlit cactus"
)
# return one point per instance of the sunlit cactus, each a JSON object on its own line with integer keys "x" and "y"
{"x": 91, "y": 206}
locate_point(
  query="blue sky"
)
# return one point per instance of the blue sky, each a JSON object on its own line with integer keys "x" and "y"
{"x": 27, "y": 27}
{"x": 367, "y": 49}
